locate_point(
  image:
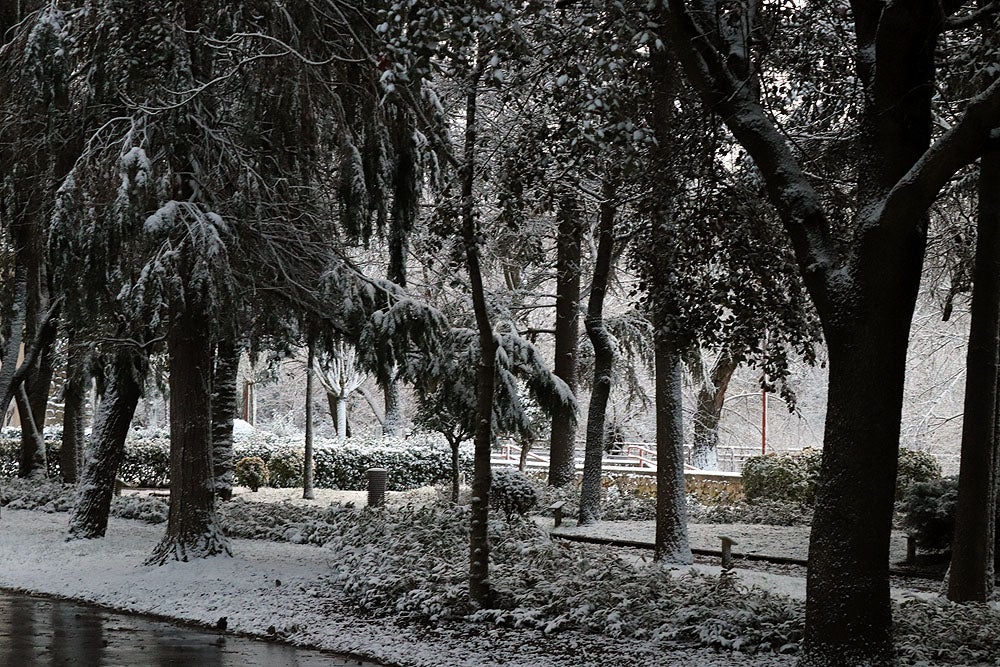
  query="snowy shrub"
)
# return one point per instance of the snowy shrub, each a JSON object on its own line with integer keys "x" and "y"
{"x": 788, "y": 477}
{"x": 10, "y": 452}
{"x": 938, "y": 632}
{"x": 285, "y": 468}
{"x": 140, "y": 508}
{"x": 251, "y": 472}
{"x": 511, "y": 491}
{"x": 280, "y": 522}
{"x": 714, "y": 491}
{"x": 792, "y": 477}
{"x": 410, "y": 463}
{"x": 36, "y": 494}
{"x": 761, "y": 512}
{"x": 928, "y": 512}
{"x": 915, "y": 466}
{"x": 623, "y": 498}
{"x": 146, "y": 462}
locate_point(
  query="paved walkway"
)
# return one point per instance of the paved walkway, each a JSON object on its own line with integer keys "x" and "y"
{"x": 789, "y": 542}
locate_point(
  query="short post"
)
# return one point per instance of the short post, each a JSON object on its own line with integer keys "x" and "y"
{"x": 557, "y": 512}
{"x": 376, "y": 486}
{"x": 911, "y": 549}
{"x": 727, "y": 552}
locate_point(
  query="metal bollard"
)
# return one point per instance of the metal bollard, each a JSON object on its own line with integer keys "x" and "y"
{"x": 376, "y": 486}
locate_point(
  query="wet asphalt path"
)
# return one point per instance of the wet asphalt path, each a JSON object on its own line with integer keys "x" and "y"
{"x": 40, "y": 631}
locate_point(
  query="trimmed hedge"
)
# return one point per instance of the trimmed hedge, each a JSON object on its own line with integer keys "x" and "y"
{"x": 793, "y": 477}
{"x": 412, "y": 463}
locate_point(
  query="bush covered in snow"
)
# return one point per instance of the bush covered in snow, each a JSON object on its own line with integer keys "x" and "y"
{"x": 762, "y": 512}
{"x": 792, "y": 477}
{"x": 285, "y": 468}
{"x": 251, "y": 472}
{"x": 48, "y": 496}
{"x": 412, "y": 462}
{"x": 928, "y": 512}
{"x": 787, "y": 477}
{"x": 512, "y": 492}
{"x": 914, "y": 467}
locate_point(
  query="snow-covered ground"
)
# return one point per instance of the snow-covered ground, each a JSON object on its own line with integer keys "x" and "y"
{"x": 270, "y": 589}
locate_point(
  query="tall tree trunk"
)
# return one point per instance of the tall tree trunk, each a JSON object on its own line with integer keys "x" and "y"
{"x": 479, "y": 545}
{"x": 708, "y": 411}
{"x": 671, "y": 543}
{"x": 569, "y": 238}
{"x": 394, "y": 422}
{"x": 34, "y": 462}
{"x": 604, "y": 357}
{"x": 848, "y": 614}
{"x": 971, "y": 576}
{"x": 14, "y": 319}
{"x": 340, "y": 413}
{"x": 405, "y": 204}
{"x": 41, "y": 330}
{"x": 307, "y": 463}
{"x": 192, "y": 528}
{"x": 74, "y": 408}
{"x": 124, "y": 379}
{"x": 455, "y": 443}
{"x": 224, "y": 380}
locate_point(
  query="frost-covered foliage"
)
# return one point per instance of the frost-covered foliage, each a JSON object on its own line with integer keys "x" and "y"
{"x": 251, "y": 472}
{"x": 280, "y": 522}
{"x": 446, "y": 387}
{"x": 928, "y": 510}
{"x": 285, "y": 468}
{"x": 46, "y": 496}
{"x": 787, "y": 477}
{"x": 792, "y": 477}
{"x": 621, "y": 500}
{"x": 764, "y": 512}
{"x": 915, "y": 466}
{"x": 35, "y": 494}
{"x": 512, "y": 492}
{"x": 412, "y": 564}
{"x": 939, "y": 632}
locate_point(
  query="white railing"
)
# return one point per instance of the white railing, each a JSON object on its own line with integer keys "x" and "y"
{"x": 637, "y": 457}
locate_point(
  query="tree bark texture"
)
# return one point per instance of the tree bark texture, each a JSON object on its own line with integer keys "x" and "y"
{"x": 14, "y": 318}
{"x": 103, "y": 459}
{"x": 224, "y": 380}
{"x": 74, "y": 409}
{"x": 708, "y": 412}
{"x": 569, "y": 239}
{"x": 192, "y": 528}
{"x": 604, "y": 357}
{"x": 34, "y": 459}
{"x": 394, "y": 422}
{"x": 41, "y": 331}
{"x": 971, "y": 574}
{"x": 307, "y": 463}
{"x": 671, "y": 542}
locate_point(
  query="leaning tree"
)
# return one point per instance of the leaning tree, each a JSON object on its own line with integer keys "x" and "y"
{"x": 863, "y": 284}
